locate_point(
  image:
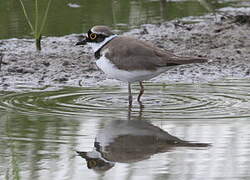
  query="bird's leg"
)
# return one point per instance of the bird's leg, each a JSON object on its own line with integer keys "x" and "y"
{"x": 141, "y": 92}
{"x": 130, "y": 98}
{"x": 129, "y": 112}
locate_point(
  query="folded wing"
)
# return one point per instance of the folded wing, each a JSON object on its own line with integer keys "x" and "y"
{"x": 132, "y": 54}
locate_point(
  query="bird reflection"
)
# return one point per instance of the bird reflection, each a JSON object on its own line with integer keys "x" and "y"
{"x": 130, "y": 141}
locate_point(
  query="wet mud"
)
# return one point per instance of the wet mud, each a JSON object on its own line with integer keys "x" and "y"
{"x": 222, "y": 38}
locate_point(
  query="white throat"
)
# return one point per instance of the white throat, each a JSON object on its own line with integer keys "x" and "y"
{"x": 97, "y": 46}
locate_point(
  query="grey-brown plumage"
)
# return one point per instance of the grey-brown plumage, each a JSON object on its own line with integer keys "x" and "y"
{"x": 130, "y": 54}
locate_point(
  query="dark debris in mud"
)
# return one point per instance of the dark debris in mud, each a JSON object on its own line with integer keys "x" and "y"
{"x": 225, "y": 42}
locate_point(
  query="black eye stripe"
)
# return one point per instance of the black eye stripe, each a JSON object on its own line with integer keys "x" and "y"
{"x": 89, "y": 32}
{"x": 98, "y": 38}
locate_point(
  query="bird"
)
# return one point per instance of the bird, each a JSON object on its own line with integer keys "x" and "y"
{"x": 129, "y": 59}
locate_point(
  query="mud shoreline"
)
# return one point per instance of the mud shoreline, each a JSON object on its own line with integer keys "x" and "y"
{"x": 224, "y": 39}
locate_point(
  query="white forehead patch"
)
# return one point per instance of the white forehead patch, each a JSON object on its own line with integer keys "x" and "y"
{"x": 97, "y": 32}
{"x": 93, "y": 30}
{"x": 101, "y": 30}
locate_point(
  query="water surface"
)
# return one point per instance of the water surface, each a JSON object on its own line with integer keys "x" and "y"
{"x": 41, "y": 131}
{"x": 71, "y": 16}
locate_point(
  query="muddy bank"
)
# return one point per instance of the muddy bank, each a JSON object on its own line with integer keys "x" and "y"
{"x": 224, "y": 39}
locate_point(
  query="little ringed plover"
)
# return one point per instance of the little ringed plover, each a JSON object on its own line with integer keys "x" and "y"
{"x": 130, "y": 60}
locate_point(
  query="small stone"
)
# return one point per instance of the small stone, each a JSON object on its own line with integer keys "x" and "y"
{"x": 61, "y": 79}
{"x": 46, "y": 63}
{"x": 144, "y": 31}
{"x": 20, "y": 70}
{"x": 65, "y": 63}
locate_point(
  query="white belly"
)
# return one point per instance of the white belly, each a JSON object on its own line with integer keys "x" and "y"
{"x": 126, "y": 76}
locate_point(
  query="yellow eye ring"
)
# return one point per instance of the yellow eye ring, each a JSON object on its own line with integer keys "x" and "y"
{"x": 92, "y": 36}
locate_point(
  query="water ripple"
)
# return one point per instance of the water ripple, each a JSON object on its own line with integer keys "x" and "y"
{"x": 224, "y": 99}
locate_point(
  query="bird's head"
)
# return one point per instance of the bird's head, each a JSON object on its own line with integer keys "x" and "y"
{"x": 95, "y": 161}
{"x": 96, "y": 35}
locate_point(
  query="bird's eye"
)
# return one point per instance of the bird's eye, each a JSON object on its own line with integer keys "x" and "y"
{"x": 93, "y": 36}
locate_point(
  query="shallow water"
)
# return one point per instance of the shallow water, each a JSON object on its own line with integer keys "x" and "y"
{"x": 41, "y": 130}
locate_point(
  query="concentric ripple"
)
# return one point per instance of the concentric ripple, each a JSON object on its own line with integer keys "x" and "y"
{"x": 225, "y": 99}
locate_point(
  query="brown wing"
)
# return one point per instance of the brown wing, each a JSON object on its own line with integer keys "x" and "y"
{"x": 132, "y": 54}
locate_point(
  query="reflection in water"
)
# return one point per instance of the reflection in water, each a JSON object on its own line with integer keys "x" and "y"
{"x": 40, "y": 132}
{"x": 130, "y": 141}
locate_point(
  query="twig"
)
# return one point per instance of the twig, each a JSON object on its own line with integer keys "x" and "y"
{"x": 176, "y": 24}
{"x": 1, "y": 60}
{"x": 80, "y": 82}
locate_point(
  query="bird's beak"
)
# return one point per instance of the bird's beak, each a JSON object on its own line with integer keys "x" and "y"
{"x": 82, "y": 154}
{"x": 82, "y": 40}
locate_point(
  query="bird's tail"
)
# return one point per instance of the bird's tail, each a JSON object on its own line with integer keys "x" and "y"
{"x": 194, "y": 144}
{"x": 178, "y": 60}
